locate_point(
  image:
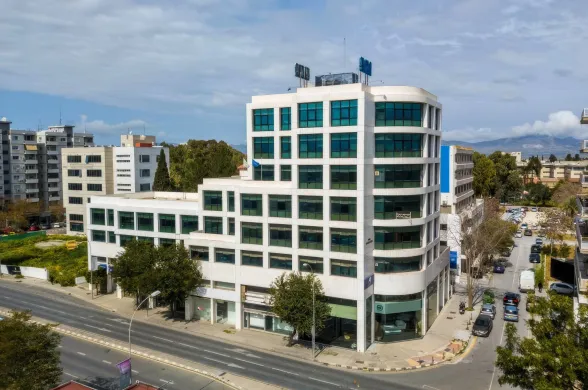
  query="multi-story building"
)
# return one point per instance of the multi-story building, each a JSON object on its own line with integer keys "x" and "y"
{"x": 458, "y": 202}
{"x": 104, "y": 170}
{"x": 553, "y": 172}
{"x": 342, "y": 181}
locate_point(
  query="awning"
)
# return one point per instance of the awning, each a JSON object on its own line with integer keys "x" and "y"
{"x": 32, "y": 148}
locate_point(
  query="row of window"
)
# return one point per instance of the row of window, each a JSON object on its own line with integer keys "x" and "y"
{"x": 89, "y": 159}
{"x": 129, "y": 220}
{"x": 89, "y": 187}
{"x": 343, "y": 145}
{"x": 110, "y": 238}
{"x": 89, "y": 172}
{"x": 343, "y": 113}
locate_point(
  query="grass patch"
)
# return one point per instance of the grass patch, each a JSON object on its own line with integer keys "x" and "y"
{"x": 63, "y": 265}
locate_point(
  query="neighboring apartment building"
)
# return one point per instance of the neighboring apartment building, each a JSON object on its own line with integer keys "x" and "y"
{"x": 581, "y": 255}
{"x": 553, "y": 172}
{"x": 342, "y": 181}
{"x": 104, "y": 170}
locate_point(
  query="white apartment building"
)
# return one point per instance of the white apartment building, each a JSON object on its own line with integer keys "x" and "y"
{"x": 458, "y": 202}
{"x": 104, "y": 170}
{"x": 343, "y": 181}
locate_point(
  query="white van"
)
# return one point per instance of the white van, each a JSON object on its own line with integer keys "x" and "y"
{"x": 527, "y": 281}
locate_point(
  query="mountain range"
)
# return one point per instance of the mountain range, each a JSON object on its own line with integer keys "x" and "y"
{"x": 529, "y": 145}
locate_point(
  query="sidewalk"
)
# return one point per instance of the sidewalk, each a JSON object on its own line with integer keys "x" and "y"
{"x": 448, "y": 336}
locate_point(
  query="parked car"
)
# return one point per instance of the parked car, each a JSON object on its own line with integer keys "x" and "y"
{"x": 538, "y": 241}
{"x": 524, "y": 226}
{"x": 541, "y": 233}
{"x": 506, "y": 252}
{"x": 482, "y": 326}
{"x": 518, "y": 234}
{"x": 511, "y": 298}
{"x": 511, "y": 313}
{"x": 528, "y": 232}
{"x": 534, "y": 226}
{"x": 499, "y": 268}
{"x": 489, "y": 310}
{"x": 534, "y": 209}
{"x": 523, "y": 209}
{"x": 535, "y": 258}
{"x": 56, "y": 225}
{"x": 46, "y": 226}
{"x": 34, "y": 228}
{"x": 562, "y": 288}
{"x": 535, "y": 248}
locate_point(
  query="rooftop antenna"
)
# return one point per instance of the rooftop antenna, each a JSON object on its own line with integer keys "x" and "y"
{"x": 344, "y": 52}
{"x": 60, "y": 115}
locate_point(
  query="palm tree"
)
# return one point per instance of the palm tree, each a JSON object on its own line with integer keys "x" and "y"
{"x": 570, "y": 207}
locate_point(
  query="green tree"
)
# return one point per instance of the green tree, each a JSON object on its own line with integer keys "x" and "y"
{"x": 291, "y": 299}
{"x": 534, "y": 165}
{"x": 29, "y": 355}
{"x": 538, "y": 193}
{"x": 552, "y": 158}
{"x": 568, "y": 157}
{"x": 507, "y": 185}
{"x": 577, "y": 157}
{"x": 177, "y": 275}
{"x": 97, "y": 277}
{"x": 570, "y": 207}
{"x": 484, "y": 175}
{"x": 161, "y": 181}
{"x": 556, "y": 354}
{"x": 135, "y": 268}
{"x": 512, "y": 187}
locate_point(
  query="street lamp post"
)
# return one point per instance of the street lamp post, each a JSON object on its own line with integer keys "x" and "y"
{"x": 152, "y": 295}
{"x": 313, "y": 308}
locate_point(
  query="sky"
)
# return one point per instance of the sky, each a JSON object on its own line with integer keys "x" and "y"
{"x": 183, "y": 69}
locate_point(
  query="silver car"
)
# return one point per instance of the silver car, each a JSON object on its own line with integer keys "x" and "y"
{"x": 489, "y": 310}
{"x": 562, "y": 288}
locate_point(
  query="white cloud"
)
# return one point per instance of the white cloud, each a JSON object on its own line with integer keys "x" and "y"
{"x": 558, "y": 124}
{"x": 100, "y": 127}
{"x": 470, "y": 134}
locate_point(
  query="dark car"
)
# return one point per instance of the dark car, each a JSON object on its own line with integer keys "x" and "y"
{"x": 511, "y": 299}
{"x": 535, "y": 258}
{"x": 528, "y": 232}
{"x": 506, "y": 252}
{"x": 539, "y": 241}
{"x": 499, "y": 268}
{"x": 536, "y": 248}
{"x": 482, "y": 326}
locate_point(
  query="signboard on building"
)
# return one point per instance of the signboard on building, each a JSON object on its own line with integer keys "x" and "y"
{"x": 124, "y": 368}
{"x": 453, "y": 259}
{"x": 367, "y": 282}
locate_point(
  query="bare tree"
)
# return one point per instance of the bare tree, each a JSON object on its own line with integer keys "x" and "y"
{"x": 564, "y": 191}
{"x": 556, "y": 222}
{"x": 481, "y": 237}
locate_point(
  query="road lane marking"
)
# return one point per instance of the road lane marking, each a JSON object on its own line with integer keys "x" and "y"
{"x": 95, "y": 327}
{"x": 228, "y": 364}
{"x": 430, "y": 387}
{"x": 161, "y": 338}
{"x": 287, "y": 372}
{"x": 168, "y": 382}
{"x": 106, "y": 361}
{"x": 72, "y": 375}
{"x": 135, "y": 371}
{"x": 320, "y": 380}
{"x": 247, "y": 361}
{"x": 81, "y": 353}
{"x": 204, "y": 350}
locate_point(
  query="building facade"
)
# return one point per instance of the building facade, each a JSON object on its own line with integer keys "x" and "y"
{"x": 342, "y": 181}
{"x": 104, "y": 170}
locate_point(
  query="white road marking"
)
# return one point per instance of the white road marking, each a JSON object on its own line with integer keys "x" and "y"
{"x": 287, "y": 372}
{"x": 429, "y": 387}
{"x": 220, "y": 361}
{"x": 168, "y": 382}
{"x": 235, "y": 366}
{"x": 161, "y": 338}
{"x": 68, "y": 374}
{"x": 320, "y": 380}
{"x": 204, "y": 350}
{"x": 106, "y": 361}
{"x": 60, "y": 346}
{"x": 95, "y": 327}
{"x": 243, "y": 352}
{"x": 247, "y": 361}
{"x": 135, "y": 371}
{"x": 81, "y": 353}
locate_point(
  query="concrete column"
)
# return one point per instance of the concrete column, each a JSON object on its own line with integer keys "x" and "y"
{"x": 151, "y": 303}
{"x": 212, "y": 311}
{"x": 424, "y": 313}
{"x": 439, "y": 293}
{"x": 119, "y": 292}
{"x": 189, "y": 311}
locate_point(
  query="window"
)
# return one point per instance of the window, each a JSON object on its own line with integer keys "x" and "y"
{"x": 74, "y": 186}
{"x": 397, "y": 207}
{"x": 343, "y": 240}
{"x": 189, "y": 223}
{"x": 231, "y": 226}
{"x": 263, "y": 119}
{"x": 263, "y": 173}
{"x": 144, "y": 173}
{"x": 167, "y": 242}
{"x": 53, "y": 175}
{"x": 99, "y": 235}
{"x": 251, "y": 233}
{"x": 385, "y": 265}
{"x": 145, "y": 222}
{"x": 94, "y": 187}
{"x": 344, "y": 268}
{"x": 310, "y": 115}
{"x": 310, "y": 237}
{"x": 286, "y": 172}
{"x": 285, "y": 147}
{"x": 126, "y": 220}
{"x": 344, "y": 145}
{"x": 76, "y": 200}
{"x": 310, "y": 176}
{"x": 97, "y": 217}
{"x": 167, "y": 223}
{"x": 285, "y": 118}
{"x": 231, "y": 196}
{"x": 399, "y": 114}
{"x": 224, "y": 256}
{"x": 280, "y": 261}
{"x": 263, "y": 147}
{"x": 213, "y": 225}
{"x": 145, "y": 187}
{"x": 76, "y": 227}
{"x": 76, "y": 217}
{"x": 93, "y": 172}
{"x": 213, "y": 200}
{"x": 224, "y": 286}
{"x": 343, "y": 177}
{"x": 251, "y": 204}
{"x": 254, "y": 259}
{"x": 74, "y": 172}
{"x": 280, "y": 206}
{"x": 315, "y": 263}
{"x": 147, "y": 239}
{"x": 93, "y": 159}
{"x": 397, "y": 237}
{"x": 310, "y": 146}
{"x": 111, "y": 238}
{"x": 397, "y": 176}
{"x": 144, "y": 158}
{"x": 310, "y": 207}
{"x": 344, "y": 113}
{"x": 399, "y": 145}
{"x": 199, "y": 253}
{"x": 74, "y": 159}
{"x": 280, "y": 235}
{"x": 110, "y": 217}
{"x": 343, "y": 209}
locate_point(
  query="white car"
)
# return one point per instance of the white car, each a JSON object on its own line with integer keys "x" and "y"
{"x": 524, "y": 226}
{"x": 519, "y": 234}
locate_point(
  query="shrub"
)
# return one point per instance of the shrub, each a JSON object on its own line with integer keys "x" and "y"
{"x": 488, "y": 296}
{"x": 565, "y": 250}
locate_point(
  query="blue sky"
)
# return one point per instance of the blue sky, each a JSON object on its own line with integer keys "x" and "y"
{"x": 186, "y": 69}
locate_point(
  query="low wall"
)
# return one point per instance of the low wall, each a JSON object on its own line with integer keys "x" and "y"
{"x": 23, "y": 235}
{"x": 29, "y": 272}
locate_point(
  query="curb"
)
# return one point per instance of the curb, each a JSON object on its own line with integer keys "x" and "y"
{"x": 144, "y": 355}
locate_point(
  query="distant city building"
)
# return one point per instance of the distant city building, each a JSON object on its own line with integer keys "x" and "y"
{"x": 554, "y": 172}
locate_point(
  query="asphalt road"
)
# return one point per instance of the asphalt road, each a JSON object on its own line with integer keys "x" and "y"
{"x": 95, "y": 366}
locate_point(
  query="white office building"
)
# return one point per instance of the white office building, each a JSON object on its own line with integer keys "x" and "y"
{"x": 342, "y": 181}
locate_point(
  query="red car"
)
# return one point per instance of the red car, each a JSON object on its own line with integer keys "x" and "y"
{"x": 34, "y": 228}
